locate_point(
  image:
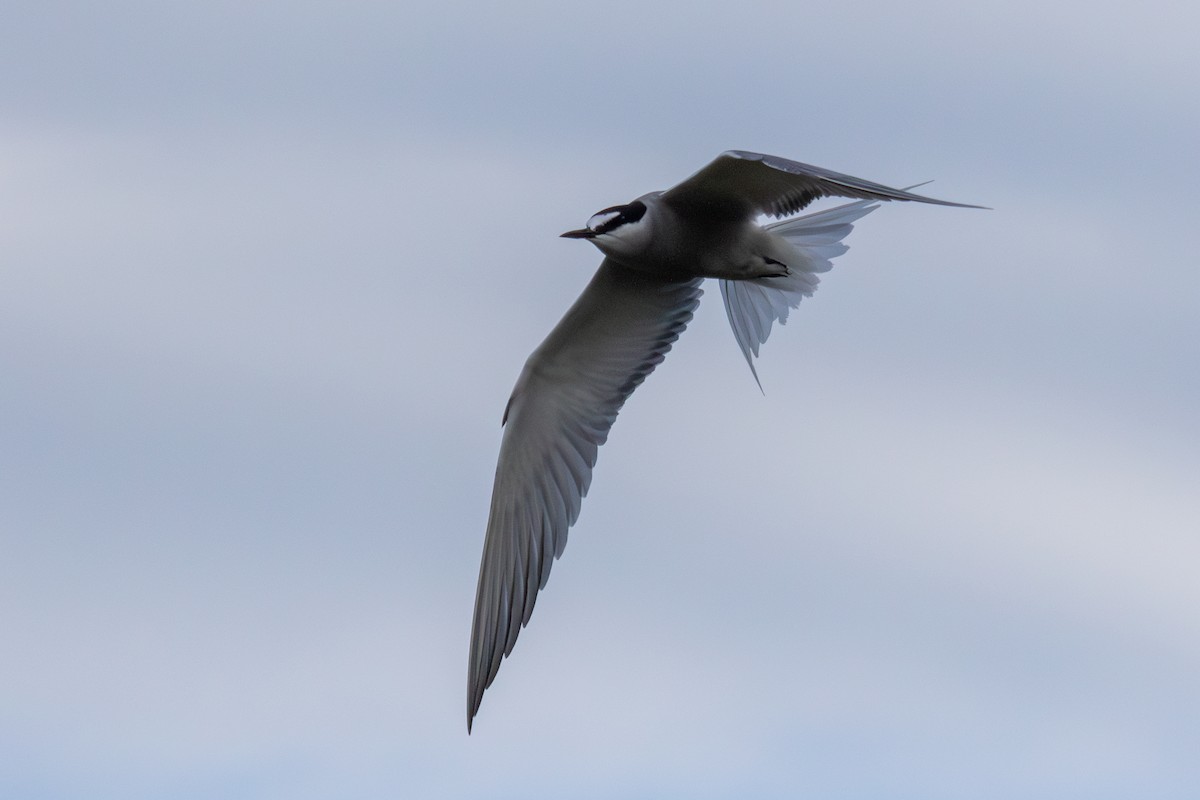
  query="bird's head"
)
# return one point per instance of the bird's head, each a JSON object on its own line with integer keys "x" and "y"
{"x": 619, "y": 230}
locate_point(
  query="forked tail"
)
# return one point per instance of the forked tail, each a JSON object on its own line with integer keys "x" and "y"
{"x": 753, "y": 306}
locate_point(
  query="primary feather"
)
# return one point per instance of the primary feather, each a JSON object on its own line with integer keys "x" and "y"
{"x": 560, "y": 413}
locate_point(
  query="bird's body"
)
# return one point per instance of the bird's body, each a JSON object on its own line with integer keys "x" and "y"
{"x": 658, "y": 250}
{"x": 671, "y": 244}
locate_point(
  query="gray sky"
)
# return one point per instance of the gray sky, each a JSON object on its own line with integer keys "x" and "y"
{"x": 268, "y": 272}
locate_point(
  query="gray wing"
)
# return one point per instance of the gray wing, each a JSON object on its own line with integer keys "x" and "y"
{"x": 738, "y": 183}
{"x": 560, "y": 412}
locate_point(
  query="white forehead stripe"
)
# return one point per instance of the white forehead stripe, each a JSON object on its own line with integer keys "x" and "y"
{"x": 599, "y": 220}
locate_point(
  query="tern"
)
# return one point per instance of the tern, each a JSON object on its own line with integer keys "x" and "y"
{"x": 657, "y": 249}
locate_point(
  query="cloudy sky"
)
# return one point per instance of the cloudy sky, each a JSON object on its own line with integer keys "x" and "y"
{"x": 269, "y": 270}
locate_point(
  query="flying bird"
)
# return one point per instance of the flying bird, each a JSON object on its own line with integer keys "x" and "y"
{"x": 657, "y": 249}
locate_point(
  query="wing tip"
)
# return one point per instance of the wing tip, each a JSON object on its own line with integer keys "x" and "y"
{"x": 920, "y": 198}
{"x": 475, "y": 690}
